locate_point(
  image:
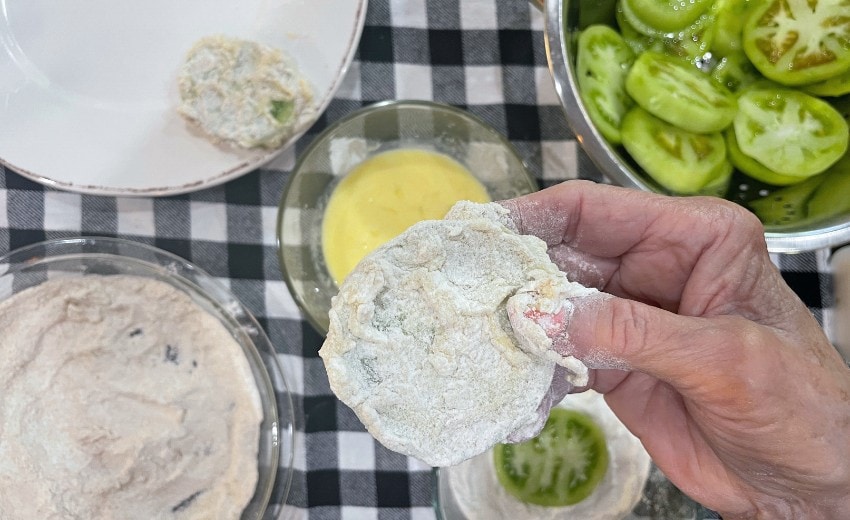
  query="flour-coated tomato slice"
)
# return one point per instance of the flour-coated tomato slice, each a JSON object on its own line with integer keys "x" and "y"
{"x": 795, "y": 42}
{"x": 788, "y": 131}
{"x": 680, "y": 161}
{"x": 679, "y": 93}
{"x": 602, "y": 62}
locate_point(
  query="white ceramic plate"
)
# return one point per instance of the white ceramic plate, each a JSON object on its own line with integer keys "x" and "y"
{"x": 88, "y": 90}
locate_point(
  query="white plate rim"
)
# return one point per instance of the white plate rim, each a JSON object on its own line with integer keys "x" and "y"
{"x": 220, "y": 177}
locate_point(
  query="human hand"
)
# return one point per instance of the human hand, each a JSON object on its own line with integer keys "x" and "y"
{"x": 700, "y": 347}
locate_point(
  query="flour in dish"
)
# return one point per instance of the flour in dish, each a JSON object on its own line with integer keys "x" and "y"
{"x": 120, "y": 397}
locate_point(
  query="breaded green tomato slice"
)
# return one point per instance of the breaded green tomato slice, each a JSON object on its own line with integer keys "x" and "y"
{"x": 242, "y": 92}
{"x": 602, "y": 63}
{"x": 677, "y": 92}
{"x": 682, "y": 162}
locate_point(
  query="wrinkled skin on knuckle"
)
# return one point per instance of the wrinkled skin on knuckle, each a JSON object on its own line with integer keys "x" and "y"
{"x": 620, "y": 327}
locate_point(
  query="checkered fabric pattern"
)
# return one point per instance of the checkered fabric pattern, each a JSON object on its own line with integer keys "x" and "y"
{"x": 486, "y": 56}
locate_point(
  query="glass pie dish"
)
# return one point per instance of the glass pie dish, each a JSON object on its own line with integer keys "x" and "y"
{"x": 33, "y": 265}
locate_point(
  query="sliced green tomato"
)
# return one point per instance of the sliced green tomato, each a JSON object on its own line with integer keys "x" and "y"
{"x": 729, "y": 25}
{"x": 638, "y": 41}
{"x": 795, "y": 42}
{"x": 692, "y": 42}
{"x": 602, "y": 62}
{"x": 625, "y": 13}
{"x": 679, "y": 93}
{"x": 832, "y": 87}
{"x": 734, "y": 71}
{"x": 787, "y": 205}
{"x": 680, "y": 161}
{"x": 815, "y": 199}
{"x": 752, "y": 167}
{"x": 719, "y": 183}
{"x": 560, "y": 467}
{"x": 667, "y": 15}
{"x": 788, "y": 131}
{"x": 831, "y": 196}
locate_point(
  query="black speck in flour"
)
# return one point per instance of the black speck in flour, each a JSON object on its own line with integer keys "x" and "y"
{"x": 172, "y": 354}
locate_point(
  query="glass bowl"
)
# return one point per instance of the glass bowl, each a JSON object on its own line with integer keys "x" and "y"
{"x": 660, "y": 500}
{"x": 79, "y": 257}
{"x": 375, "y": 129}
{"x": 563, "y": 20}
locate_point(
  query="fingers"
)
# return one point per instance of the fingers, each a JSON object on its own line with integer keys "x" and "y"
{"x": 606, "y": 332}
{"x": 691, "y": 255}
{"x": 607, "y": 221}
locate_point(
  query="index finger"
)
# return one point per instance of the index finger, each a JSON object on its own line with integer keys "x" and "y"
{"x": 602, "y": 220}
{"x": 648, "y": 245}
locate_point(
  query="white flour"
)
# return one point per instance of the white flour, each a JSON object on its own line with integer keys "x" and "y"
{"x": 122, "y": 398}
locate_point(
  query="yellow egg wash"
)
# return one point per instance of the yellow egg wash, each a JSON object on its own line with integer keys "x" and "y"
{"x": 386, "y": 194}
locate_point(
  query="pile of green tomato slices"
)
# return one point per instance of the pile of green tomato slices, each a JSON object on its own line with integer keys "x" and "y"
{"x": 693, "y": 89}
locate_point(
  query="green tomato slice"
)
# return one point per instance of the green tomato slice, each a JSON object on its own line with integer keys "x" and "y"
{"x": 752, "y": 167}
{"x": 560, "y": 467}
{"x": 815, "y": 199}
{"x": 691, "y": 43}
{"x": 795, "y": 42}
{"x": 786, "y": 206}
{"x": 719, "y": 181}
{"x": 734, "y": 71}
{"x": 679, "y": 93}
{"x": 729, "y": 26}
{"x": 832, "y": 87}
{"x": 602, "y": 62}
{"x": 637, "y": 40}
{"x": 627, "y": 14}
{"x": 683, "y": 162}
{"x": 667, "y": 15}
{"x": 831, "y": 196}
{"x": 789, "y": 132}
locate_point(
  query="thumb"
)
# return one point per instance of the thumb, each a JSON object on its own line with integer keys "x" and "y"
{"x": 607, "y": 332}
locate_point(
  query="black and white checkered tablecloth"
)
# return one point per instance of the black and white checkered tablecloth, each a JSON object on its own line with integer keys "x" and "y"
{"x": 486, "y": 56}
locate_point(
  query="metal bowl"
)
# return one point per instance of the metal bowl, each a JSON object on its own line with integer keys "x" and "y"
{"x": 563, "y": 20}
